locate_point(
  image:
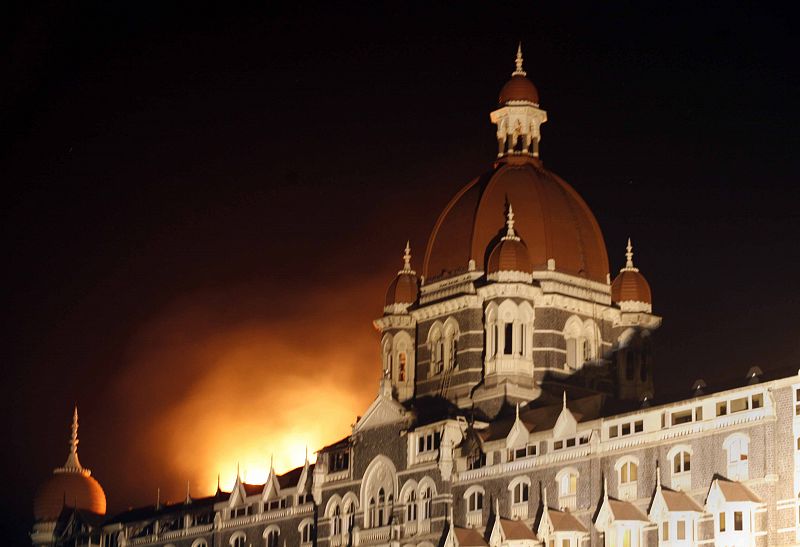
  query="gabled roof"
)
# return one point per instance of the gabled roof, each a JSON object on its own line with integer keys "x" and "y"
{"x": 564, "y": 521}
{"x": 468, "y": 537}
{"x": 516, "y": 529}
{"x": 735, "y": 491}
{"x": 679, "y": 501}
{"x": 150, "y": 511}
{"x": 625, "y": 510}
{"x": 290, "y": 478}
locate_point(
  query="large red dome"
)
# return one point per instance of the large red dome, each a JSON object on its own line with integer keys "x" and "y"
{"x": 71, "y": 489}
{"x": 551, "y": 218}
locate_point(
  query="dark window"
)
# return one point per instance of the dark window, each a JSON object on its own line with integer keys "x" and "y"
{"x": 630, "y": 365}
{"x": 508, "y": 343}
{"x": 643, "y": 372}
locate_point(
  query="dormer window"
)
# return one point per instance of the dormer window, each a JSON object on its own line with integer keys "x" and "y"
{"x": 428, "y": 442}
{"x": 338, "y": 461}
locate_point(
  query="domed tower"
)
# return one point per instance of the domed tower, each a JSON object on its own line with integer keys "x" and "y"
{"x": 631, "y": 292}
{"x": 397, "y": 328}
{"x": 70, "y": 486}
{"x": 505, "y": 306}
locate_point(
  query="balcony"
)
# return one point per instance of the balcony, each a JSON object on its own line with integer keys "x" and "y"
{"x": 373, "y": 535}
{"x": 568, "y": 501}
{"x": 519, "y": 510}
{"x": 682, "y": 481}
{"x": 475, "y": 519}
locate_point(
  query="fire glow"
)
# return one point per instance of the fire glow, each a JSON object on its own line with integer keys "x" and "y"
{"x": 209, "y": 392}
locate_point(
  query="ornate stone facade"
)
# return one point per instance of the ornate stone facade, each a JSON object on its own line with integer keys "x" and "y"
{"x": 517, "y": 406}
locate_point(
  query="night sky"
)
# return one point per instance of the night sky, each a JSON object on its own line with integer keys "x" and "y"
{"x": 202, "y": 209}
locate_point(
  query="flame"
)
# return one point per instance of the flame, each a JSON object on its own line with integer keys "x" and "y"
{"x": 205, "y": 393}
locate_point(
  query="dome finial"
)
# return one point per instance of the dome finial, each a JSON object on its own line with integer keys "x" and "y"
{"x": 407, "y": 257}
{"x": 510, "y": 233}
{"x": 629, "y": 267}
{"x": 73, "y": 464}
{"x": 519, "y": 70}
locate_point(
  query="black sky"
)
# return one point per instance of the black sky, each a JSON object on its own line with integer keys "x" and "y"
{"x": 152, "y": 151}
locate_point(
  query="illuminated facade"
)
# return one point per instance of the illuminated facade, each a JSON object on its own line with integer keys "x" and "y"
{"x": 517, "y": 406}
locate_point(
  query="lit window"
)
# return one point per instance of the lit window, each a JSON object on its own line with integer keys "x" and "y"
{"x": 681, "y": 532}
{"x": 737, "y": 521}
{"x": 682, "y": 463}
{"x": 722, "y": 522}
{"x": 758, "y": 400}
{"x": 628, "y": 473}
{"x": 722, "y": 408}
{"x": 739, "y": 405}
{"x": 613, "y": 432}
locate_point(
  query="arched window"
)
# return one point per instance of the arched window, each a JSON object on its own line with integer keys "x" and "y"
{"x": 411, "y": 506}
{"x": 386, "y": 352}
{"x": 272, "y": 537}
{"x": 573, "y": 336}
{"x": 381, "y": 507}
{"x": 200, "y": 543}
{"x": 336, "y": 521}
{"x": 567, "y": 482}
{"x": 681, "y": 463}
{"x": 401, "y": 367}
{"x": 737, "y": 448}
{"x": 238, "y": 540}
{"x": 425, "y": 502}
{"x": 306, "y": 530}
{"x": 520, "y": 493}
{"x": 451, "y": 333}
{"x": 475, "y": 500}
{"x": 349, "y": 520}
{"x": 436, "y": 348}
{"x": 680, "y": 458}
{"x": 627, "y": 477}
{"x": 491, "y": 331}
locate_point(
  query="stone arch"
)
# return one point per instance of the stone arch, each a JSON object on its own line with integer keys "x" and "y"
{"x": 380, "y": 475}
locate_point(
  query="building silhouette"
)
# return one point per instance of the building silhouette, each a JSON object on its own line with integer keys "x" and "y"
{"x": 517, "y": 406}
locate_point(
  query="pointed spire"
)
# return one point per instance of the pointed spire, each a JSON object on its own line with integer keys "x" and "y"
{"x": 629, "y": 267}
{"x": 564, "y": 400}
{"x": 519, "y": 70}
{"x": 407, "y": 261}
{"x": 73, "y": 464}
{"x": 544, "y": 498}
{"x": 188, "y": 498}
{"x": 158, "y": 498}
{"x": 605, "y": 488}
{"x": 272, "y": 462}
{"x": 219, "y": 487}
{"x": 517, "y": 411}
{"x": 496, "y": 508}
{"x": 510, "y": 233}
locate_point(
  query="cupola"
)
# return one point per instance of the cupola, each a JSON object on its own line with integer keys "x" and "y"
{"x": 519, "y": 117}
{"x": 403, "y": 289}
{"x": 509, "y": 259}
{"x": 630, "y": 289}
{"x": 69, "y": 486}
